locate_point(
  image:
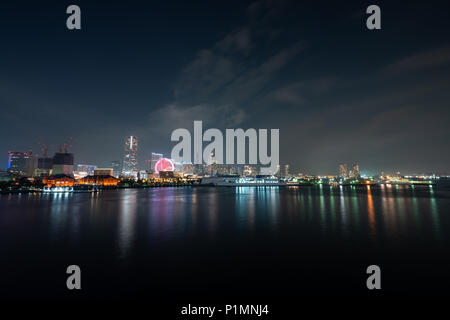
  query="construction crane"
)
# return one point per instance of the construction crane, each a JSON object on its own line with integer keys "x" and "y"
{"x": 67, "y": 145}
{"x": 44, "y": 148}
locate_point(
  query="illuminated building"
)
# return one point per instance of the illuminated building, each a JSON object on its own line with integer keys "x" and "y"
{"x": 63, "y": 164}
{"x": 354, "y": 172}
{"x": 155, "y": 158}
{"x": 59, "y": 180}
{"x": 130, "y": 157}
{"x": 343, "y": 173}
{"x": 16, "y": 162}
{"x": 98, "y": 180}
{"x": 86, "y": 169}
{"x": 22, "y": 163}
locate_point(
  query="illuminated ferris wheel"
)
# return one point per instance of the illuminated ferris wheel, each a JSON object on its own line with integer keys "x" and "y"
{"x": 164, "y": 164}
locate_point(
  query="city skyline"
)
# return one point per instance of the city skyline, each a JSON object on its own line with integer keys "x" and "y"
{"x": 25, "y": 164}
{"x": 337, "y": 91}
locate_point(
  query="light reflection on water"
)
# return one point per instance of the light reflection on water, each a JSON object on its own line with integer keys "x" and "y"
{"x": 127, "y": 221}
{"x": 377, "y": 214}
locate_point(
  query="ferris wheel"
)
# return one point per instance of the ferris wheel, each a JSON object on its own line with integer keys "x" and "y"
{"x": 164, "y": 164}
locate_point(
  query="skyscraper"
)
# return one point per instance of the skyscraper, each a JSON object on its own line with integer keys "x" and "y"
{"x": 354, "y": 172}
{"x": 22, "y": 163}
{"x": 17, "y": 162}
{"x": 130, "y": 156}
{"x": 343, "y": 173}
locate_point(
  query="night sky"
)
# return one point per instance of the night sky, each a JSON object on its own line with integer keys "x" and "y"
{"x": 337, "y": 91}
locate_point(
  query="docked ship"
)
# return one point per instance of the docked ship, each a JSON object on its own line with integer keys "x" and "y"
{"x": 237, "y": 181}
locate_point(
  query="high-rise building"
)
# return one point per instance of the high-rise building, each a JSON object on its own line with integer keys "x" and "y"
{"x": 343, "y": 173}
{"x": 16, "y": 162}
{"x": 22, "y": 163}
{"x": 117, "y": 168}
{"x": 130, "y": 157}
{"x": 155, "y": 158}
{"x": 354, "y": 172}
{"x": 63, "y": 164}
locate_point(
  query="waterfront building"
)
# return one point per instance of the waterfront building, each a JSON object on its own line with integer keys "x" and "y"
{"x": 59, "y": 180}
{"x": 130, "y": 157}
{"x": 98, "y": 180}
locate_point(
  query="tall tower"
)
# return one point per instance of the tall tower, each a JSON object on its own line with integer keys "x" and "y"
{"x": 130, "y": 156}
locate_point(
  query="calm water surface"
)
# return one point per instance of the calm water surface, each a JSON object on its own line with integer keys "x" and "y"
{"x": 226, "y": 242}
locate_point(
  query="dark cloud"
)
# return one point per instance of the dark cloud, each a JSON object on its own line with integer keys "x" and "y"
{"x": 424, "y": 60}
